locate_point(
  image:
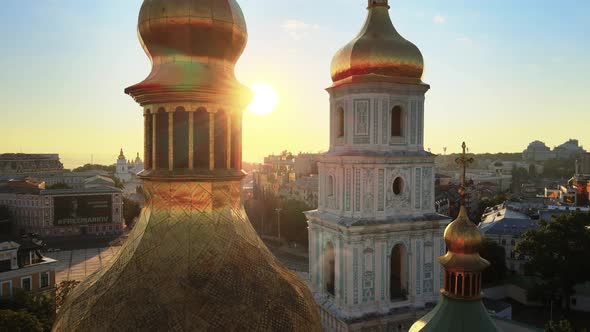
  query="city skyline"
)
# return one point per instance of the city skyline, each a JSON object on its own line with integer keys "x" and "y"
{"x": 492, "y": 57}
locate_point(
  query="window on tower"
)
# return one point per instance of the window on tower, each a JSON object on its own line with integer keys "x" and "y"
{"x": 220, "y": 139}
{"x": 162, "y": 126}
{"x": 396, "y": 121}
{"x": 330, "y": 269}
{"x": 330, "y": 185}
{"x": 201, "y": 139}
{"x": 398, "y": 186}
{"x": 397, "y": 273}
{"x": 340, "y": 122}
{"x": 180, "y": 134}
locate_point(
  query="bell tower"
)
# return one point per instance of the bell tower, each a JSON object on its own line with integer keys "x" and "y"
{"x": 193, "y": 262}
{"x": 375, "y": 235}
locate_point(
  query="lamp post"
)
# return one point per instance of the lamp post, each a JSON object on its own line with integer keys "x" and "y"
{"x": 279, "y": 220}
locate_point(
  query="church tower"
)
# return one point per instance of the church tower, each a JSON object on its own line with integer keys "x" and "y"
{"x": 193, "y": 261}
{"x": 374, "y": 238}
{"x": 122, "y": 171}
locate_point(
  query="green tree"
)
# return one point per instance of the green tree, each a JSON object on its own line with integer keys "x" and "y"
{"x": 63, "y": 290}
{"x": 561, "y": 326}
{"x": 19, "y": 321}
{"x": 131, "y": 210}
{"x": 557, "y": 253}
{"x": 496, "y": 255}
{"x": 42, "y": 306}
{"x": 294, "y": 222}
{"x": 96, "y": 167}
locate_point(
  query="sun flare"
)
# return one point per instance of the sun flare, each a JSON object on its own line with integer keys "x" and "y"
{"x": 265, "y": 99}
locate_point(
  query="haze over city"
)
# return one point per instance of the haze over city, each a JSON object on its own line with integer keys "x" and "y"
{"x": 504, "y": 72}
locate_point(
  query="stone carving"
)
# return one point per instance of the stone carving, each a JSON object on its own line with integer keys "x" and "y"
{"x": 368, "y": 190}
{"x": 361, "y": 117}
{"x": 417, "y": 189}
{"x": 348, "y": 188}
{"x": 380, "y": 191}
{"x": 428, "y": 187}
{"x": 402, "y": 201}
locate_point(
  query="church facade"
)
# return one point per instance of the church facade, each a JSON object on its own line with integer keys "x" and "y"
{"x": 375, "y": 237}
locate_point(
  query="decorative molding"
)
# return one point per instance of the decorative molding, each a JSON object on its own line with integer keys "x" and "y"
{"x": 417, "y": 188}
{"x": 362, "y": 117}
{"x": 357, "y": 189}
{"x": 355, "y": 270}
{"x": 385, "y": 116}
{"x": 375, "y": 122}
{"x": 413, "y": 119}
{"x": 348, "y": 188}
{"x": 381, "y": 191}
{"x": 420, "y": 110}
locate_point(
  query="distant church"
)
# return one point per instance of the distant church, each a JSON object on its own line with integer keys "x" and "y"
{"x": 375, "y": 237}
{"x": 127, "y": 170}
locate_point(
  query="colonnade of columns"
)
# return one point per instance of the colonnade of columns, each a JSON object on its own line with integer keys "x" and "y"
{"x": 192, "y": 140}
{"x": 463, "y": 284}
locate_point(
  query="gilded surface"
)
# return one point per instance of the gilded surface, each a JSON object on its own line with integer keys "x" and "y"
{"x": 193, "y": 262}
{"x": 378, "y": 53}
{"x": 193, "y": 46}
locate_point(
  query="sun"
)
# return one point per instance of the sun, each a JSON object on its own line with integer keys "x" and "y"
{"x": 265, "y": 99}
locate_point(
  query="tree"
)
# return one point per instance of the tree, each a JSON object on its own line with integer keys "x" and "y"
{"x": 294, "y": 222}
{"x": 19, "y": 321}
{"x": 118, "y": 183}
{"x": 496, "y": 255}
{"x": 557, "y": 253}
{"x": 42, "y": 306}
{"x": 63, "y": 290}
{"x": 96, "y": 167}
{"x": 561, "y": 326}
{"x": 131, "y": 210}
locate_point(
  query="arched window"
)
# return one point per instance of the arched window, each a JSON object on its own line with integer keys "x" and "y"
{"x": 220, "y": 140}
{"x": 460, "y": 285}
{"x": 330, "y": 185}
{"x": 398, "y": 185}
{"x": 340, "y": 122}
{"x": 396, "y": 121}
{"x": 149, "y": 140}
{"x": 162, "y": 126}
{"x": 397, "y": 273}
{"x": 201, "y": 139}
{"x": 329, "y": 268}
{"x": 180, "y": 139}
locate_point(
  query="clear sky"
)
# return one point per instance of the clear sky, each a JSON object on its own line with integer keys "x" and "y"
{"x": 502, "y": 72}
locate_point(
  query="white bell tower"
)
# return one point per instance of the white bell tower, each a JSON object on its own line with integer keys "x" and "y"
{"x": 375, "y": 236}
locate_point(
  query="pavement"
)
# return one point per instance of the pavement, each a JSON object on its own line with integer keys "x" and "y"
{"x": 79, "y": 259}
{"x": 80, "y": 263}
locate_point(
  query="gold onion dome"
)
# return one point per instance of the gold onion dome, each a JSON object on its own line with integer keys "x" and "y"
{"x": 193, "y": 46}
{"x": 378, "y": 53}
{"x": 193, "y": 261}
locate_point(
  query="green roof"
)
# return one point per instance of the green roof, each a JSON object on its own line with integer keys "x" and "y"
{"x": 456, "y": 316}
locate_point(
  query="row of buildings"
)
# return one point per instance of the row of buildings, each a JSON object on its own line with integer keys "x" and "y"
{"x": 288, "y": 176}
{"x": 539, "y": 151}
{"x": 47, "y": 200}
{"x": 23, "y": 266}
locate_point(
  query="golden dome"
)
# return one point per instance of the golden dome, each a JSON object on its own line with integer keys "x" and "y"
{"x": 378, "y": 53}
{"x": 193, "y": 46}
{"x": 462, "y": 236}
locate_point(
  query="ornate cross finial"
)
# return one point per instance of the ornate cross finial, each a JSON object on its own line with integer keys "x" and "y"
{"x": 464, "y": 162}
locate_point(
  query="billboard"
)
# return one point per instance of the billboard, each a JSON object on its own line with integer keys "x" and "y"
{"x": 82, "y": 210}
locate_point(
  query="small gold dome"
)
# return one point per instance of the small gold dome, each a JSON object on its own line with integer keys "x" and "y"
{"x": 462, "y": 236}
{"x": 378, "y": 53}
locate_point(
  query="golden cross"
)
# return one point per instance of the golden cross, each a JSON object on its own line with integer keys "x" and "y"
{"x": 464, "y": 162}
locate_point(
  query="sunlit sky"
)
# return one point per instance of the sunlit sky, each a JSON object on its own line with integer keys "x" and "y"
{"x": 502, "y": 72}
